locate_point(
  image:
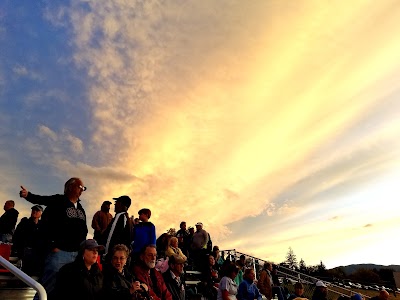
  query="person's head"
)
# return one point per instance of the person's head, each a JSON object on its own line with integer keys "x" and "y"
{"x": 191, "y": 230}
{"x": 249, "y": 274}
{"x": 120, "y": 254}
{"x": 148, "y": 256}
{"x": 105, "y": 207}
{"x": 136, "y": 221}
{"x": 211, "y": 260}
{"x": 122, "y": 204}
{"x": 231, "y": 270}
{"x": 9, "y": 204}
{"x": 36, "y": 212}
{"x": 199, "y": 226}
{"x": 89, "y": 250}
{"x": 144, "y": 214}
{"x": 173, "y": 242}
{"x": 298, "y": 289}
{"x": 242, "y": 259}
{"x": 321, "y": 286}
{"x": 74, "y": 187}
{"x": 268, "y": 266}
{"x": 383, "y": 295}
{"x": 176, "y": 264}
{"x": 183, "y": 225}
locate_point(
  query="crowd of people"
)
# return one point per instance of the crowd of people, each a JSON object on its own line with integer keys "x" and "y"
{"x": 125, "y": 260}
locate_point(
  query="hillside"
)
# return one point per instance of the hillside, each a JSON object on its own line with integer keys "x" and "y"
{"x": 352, "y": 268}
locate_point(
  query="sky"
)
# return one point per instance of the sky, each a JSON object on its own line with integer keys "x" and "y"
{"x": 275, "y": 123}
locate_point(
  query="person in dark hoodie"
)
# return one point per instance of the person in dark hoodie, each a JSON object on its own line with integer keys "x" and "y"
{"x": 144, "y": 233}
{"x": 82, "y": 278}
{"x": 63, "y": 229}
{"x": 8, "y": 221}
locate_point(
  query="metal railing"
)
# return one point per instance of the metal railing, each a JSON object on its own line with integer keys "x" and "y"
{"x": 24, "y": 277}
{"x": 291, "y": 276}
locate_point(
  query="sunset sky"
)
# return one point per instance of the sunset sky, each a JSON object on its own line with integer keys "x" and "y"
{"x": 275, "y": 123}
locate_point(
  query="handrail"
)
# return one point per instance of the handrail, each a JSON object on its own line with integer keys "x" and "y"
{"x": 24, "y": 277}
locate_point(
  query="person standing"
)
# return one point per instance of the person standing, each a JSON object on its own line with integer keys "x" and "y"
{"x": 8, "y": 221}
{"x": 199, "y": 244}
{"x": 26, "y": 242}
{"x": 144, "y": 233}
{"x": 119, "y": 231}
{"x": 63, "y": 228}
{"x": 100, "y": 221}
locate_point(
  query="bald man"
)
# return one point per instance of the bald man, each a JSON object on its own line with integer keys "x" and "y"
{"x": 383, "y": 295}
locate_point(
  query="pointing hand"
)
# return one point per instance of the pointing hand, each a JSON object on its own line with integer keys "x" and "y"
{"x": 23, "y": 193}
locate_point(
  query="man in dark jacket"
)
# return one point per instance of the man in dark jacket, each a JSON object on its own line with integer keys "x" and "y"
{"x": 64, "y": 228}
{"x": 26, "y": 241}
{"x": 8, "y": 221}
{"x": 119, "y": 231}
{"x": 173, "y": 277}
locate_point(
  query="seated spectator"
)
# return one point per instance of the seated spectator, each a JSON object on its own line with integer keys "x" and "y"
{"x": 298, "y": 291}
{"x": 26, "y": 241}
{"x": 173, "y": 277}
{"x": 209, "y": 279}
{"x": 265, "y": 283}
{"x": 173, "y": 248}
{"x": 119, "y": 284}
{"x": 320, "y": 291}
{"x": 219, "y": 260}
{"x": 383, "y": 295}
{"x": 227, "y": 289}
{"x": 81, "y": 279}
{"x": 247, "y": 289}
{"x": 240, "y": 265}
{"x": 144, "y": 271}
{"x": 162, "y": 245}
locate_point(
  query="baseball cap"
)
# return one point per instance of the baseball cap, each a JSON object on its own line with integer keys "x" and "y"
{"x": 356, "y": 297}
{"x": 91, "y": 244}
{"x": 319, "y": 283}
{"x": 176, "y": 259}
{"x": 37, "y": 207}
{"x": 199, "y": 224}
{"x": 125, "y": 200}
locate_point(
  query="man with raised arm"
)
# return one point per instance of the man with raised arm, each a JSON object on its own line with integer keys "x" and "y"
{"x": 64, "y": 228}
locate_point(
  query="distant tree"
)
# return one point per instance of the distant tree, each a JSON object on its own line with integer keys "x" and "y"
{"x": 386, "y": 275}
{"x": 337, "y": 273}
{"x": 171, "y": 231}
{"x": 302, "y": 266}
{"x": 321, "y": 268}
{"x": 312, "y": 270}
{"x": 291, "y": 259}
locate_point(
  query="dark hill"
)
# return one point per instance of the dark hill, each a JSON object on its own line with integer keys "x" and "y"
{"x": 352, "y": 268}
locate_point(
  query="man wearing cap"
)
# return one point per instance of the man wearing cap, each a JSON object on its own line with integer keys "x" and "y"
{"x": 63, "y": 228}
{"x": 320, "y": 291}
{"x": 173, "y": 277}
{"x": 119, "y": 231}
{"x": 8, "y": 221}
{"x": 199, "y": 244}
{"x": 26, "y": 241}
{"x": 82, "y": 278}
{"x": 101, "y": 220}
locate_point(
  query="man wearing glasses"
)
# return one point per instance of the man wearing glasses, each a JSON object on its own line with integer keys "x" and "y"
{"x": 63, "y": 229}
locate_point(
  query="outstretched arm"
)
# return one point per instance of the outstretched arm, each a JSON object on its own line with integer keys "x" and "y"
{"x": 35, "y": 199}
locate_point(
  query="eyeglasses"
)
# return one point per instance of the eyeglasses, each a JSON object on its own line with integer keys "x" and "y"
{"x": 83, "y": 188}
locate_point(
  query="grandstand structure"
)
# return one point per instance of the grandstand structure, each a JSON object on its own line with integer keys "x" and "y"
{"x": 288, "y": 277}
